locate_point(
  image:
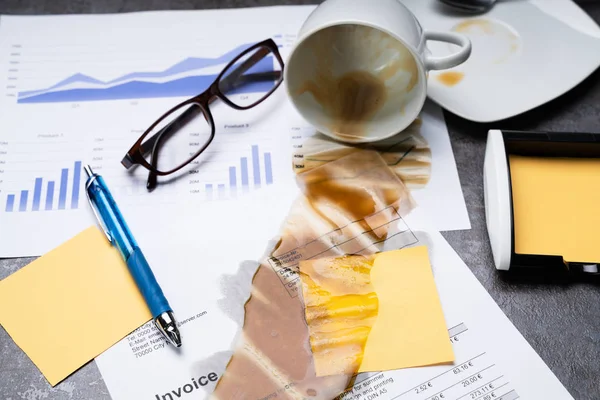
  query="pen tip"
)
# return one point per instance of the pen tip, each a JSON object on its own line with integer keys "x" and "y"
{"x": 88, "y": 171}
{"x": 166, "y": 323}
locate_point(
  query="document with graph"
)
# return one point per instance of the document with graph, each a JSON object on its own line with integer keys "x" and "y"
{"x": 81, "y": 89}
{"x": 71, "y": 98}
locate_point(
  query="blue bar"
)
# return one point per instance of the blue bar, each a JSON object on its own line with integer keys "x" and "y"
{"x": 256, "y": 166}
{"x": 268, "y": 169}
{"x": 244, "y": 165}
{"x": 209, "y": 190}
{"x": 49, "y": 195}
{"x": 37, "y": 193}
{"x": 221, "y": 191}
{"x": 23, "y": 200}
{"x": 76, "y": 182}
{"x": 232, "y": 178}
{"x": 62, "y": 196}
{"x": 10, "y": 202}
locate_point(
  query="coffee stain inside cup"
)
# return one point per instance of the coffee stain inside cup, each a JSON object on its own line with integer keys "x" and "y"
{"x": 349, "y": 93}
{"x": 350, "y": 100}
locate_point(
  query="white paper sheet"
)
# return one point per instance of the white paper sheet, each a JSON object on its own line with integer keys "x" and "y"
{"x": 493, "y": 361}
{"x": 59, "y": 106}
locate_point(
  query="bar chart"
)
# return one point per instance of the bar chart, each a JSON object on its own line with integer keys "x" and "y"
{"x": 54, "y": 195}
{"x": 249, "y": 174}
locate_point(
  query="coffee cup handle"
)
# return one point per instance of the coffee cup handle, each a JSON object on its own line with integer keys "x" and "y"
{"x": 433, "y": 63}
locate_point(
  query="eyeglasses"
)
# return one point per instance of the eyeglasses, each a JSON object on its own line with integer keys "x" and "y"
{"x": 245, "y": 82}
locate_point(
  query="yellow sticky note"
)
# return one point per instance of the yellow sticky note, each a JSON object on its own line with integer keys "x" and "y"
{"x": 72, "y": 304}
{"x": 410, "y": 329}
{"x": 373, "y": 313}
{"x": 555, "y": 203}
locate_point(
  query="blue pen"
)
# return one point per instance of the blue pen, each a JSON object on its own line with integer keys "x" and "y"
{"x": 119, "y": 235}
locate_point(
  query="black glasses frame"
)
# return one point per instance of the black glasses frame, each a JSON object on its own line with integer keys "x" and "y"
{"x": 200, "y": 104}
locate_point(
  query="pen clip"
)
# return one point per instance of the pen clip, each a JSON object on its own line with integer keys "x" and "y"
{"x": 95, "y": 211}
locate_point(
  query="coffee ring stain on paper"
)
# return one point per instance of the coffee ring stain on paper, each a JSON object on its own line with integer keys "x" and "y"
{"x": 408, "y": 154}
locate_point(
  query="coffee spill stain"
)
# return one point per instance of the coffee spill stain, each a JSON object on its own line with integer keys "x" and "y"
{"x": 351, "y": 99}
{"x": 478, "y": 27}
{"x": 478, "y": 23}
{"x": 341, "y": 308}
{"x": 408, "y": 154}
{"x": 450, "y": 78}
{"x": 281, "y": 365}
{"x": 513, "y": 48}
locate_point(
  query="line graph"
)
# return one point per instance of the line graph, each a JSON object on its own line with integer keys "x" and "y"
{"x": 185, "y": 78}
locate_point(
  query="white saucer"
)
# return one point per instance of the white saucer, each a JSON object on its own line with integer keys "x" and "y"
{"x": 523, "y": 56}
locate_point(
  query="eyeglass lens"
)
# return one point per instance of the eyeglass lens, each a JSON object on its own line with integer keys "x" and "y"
{"x": 251, "y": 78}
{"x": 178, "y": 138}
{"x": 181, "y": 135}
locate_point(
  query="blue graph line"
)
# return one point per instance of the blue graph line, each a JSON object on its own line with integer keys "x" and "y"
{"x": 188, "y": 64}
{"x": 189, "y": 86}
{"x": 133, "y": 87}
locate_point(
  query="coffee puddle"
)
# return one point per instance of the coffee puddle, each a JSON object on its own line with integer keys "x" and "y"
{"x": 273, "y": 358}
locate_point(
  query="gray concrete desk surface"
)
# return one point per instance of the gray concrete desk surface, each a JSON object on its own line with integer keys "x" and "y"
{"x": 560, "y": 321}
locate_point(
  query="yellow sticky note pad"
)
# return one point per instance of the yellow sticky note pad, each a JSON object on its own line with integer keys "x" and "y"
{"x": 410, "y": 329}
{"x": 555, "y": 202}
{"x": 70, "y": 305}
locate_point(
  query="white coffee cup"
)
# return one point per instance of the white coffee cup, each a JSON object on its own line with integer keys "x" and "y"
{"x": 358, "y": 69}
